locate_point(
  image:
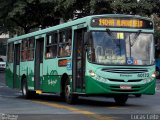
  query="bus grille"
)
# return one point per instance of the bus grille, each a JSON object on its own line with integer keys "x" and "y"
{"x": 125, "y": 70}
{"x": 138, "y": 80}
{"x": 120, "y": 80}
{"x": 116, "y": 80}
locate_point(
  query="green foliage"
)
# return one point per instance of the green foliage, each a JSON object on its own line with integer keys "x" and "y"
{"x": 157, "y": 29}
{"x": 101, "y": 7}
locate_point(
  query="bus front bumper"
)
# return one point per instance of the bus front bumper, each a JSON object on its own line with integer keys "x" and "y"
{"x": 96, "y": 87}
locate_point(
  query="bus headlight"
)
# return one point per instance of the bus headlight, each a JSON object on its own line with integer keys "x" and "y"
{"x": 155, "y": 74}
{"x": 92, "y": 73}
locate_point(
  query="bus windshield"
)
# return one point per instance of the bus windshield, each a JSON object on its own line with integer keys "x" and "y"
{"x": 119, "y": 48}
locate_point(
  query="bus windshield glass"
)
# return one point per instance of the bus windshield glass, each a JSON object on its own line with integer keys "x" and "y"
{"x": 119, "y": 48}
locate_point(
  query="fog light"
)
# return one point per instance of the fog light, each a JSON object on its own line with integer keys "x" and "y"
{"x": 150, "y": 79}
{"x": 145, "y": 81}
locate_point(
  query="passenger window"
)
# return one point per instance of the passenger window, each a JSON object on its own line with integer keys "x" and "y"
{"x": 51, "y": 45}
{"x": 65, "y": 42}
{"x": 24, "y": 50}
{"x": 10, "y": 53}
{"x": 30, "y": 49}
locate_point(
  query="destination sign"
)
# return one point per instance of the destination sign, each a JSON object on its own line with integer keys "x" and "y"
{"x": 122, "y": 22}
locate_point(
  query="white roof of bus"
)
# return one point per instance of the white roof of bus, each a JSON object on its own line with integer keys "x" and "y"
{"x": 71, "y": 23}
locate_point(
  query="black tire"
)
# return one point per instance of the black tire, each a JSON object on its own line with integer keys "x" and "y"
{"x": 62, "y": 95}
{"x": 69, "y": 97}
{"x": 25, "y": 92}
{"x": 120, "y": 99}
{"x": 138, "y": 95}
{"x": 157, "y": 73}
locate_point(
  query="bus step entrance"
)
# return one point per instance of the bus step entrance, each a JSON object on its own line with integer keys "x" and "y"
{"x": 38, "y": 91}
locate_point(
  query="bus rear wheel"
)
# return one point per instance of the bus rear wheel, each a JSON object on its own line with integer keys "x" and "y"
{"x": 120, "y": 99}
{"x": 69, "y": 97}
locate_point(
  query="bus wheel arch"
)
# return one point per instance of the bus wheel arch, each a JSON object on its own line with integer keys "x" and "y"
{"x": 70, "y": 98}
{"x": 24, "y": 88}
{"x": 64, "y": 78}
{"x": 66, "y": 90}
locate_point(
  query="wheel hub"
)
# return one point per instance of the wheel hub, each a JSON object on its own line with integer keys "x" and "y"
{"x": 68, "y": 91}
{"x": 24, "y": 90}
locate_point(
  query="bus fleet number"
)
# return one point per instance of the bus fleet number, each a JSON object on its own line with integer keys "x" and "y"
{"x": 143, "y": 75}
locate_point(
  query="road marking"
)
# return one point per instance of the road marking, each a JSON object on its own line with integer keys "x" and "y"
{"x": 113, "y": 107}
{"x": 116, "y": 107}
{"x": 84, "y": 112}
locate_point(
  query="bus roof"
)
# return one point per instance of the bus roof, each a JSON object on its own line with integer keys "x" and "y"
{"x": 72, "y": 23}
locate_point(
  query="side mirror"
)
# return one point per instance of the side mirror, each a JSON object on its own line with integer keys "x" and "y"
{"x": 86, "y": 38}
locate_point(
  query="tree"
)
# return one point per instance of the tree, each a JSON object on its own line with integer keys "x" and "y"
{"x": 101, "y": 7}
{"x": 27, "y": 14}
{"x": 30, "y": 14}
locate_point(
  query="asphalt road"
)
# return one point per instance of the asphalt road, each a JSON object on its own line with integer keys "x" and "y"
{"x": 12, "y": 105}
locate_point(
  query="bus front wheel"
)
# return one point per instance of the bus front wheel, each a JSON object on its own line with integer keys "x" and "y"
{"x": 69, "y": 97}
{"x": 120, "y": 99}
{"x": 138, "y": 95}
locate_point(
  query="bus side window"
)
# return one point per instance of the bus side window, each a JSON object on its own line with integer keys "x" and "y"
{"x": 61, "y": 50}
{"x": 68, "y": 47}
{"x": 24, "y": 50}
{"x": 51, "y": 45}
{"x": 31, "y": 49}
{"x": 49, "y": 52}
{"x": 10, "y": 52}
{"x": 65, "y": 43}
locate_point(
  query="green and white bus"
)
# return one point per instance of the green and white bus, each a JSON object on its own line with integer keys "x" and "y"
{"x": 100, "y": 55}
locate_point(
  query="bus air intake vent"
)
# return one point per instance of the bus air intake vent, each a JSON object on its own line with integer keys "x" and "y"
{"x": 116, "y": 80}
{"x": 125, "y": 70}
{"x": 139, "y": 80}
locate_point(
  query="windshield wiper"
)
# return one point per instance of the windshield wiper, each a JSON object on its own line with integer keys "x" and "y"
{"x": 135, "y": 38}
{"x": 114, "y": 40}
{"x": 111, "y": 35}
{"x": 109, "y": 32}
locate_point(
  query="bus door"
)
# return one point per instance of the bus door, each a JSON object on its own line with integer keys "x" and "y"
{"x": 78, "y": 71}
{"x": 16, "y": 66}
{"x": 38, "y": 65}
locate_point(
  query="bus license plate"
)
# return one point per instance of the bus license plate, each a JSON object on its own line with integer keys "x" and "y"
{"x": 125, "y": 87}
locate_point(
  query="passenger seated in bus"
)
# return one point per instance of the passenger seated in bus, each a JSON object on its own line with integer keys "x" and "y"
{"x": 68, "y": 48}
{"x": 24, "y": 55}
{"x": 49, "y": 53}
{"x": 61, "y": 50}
